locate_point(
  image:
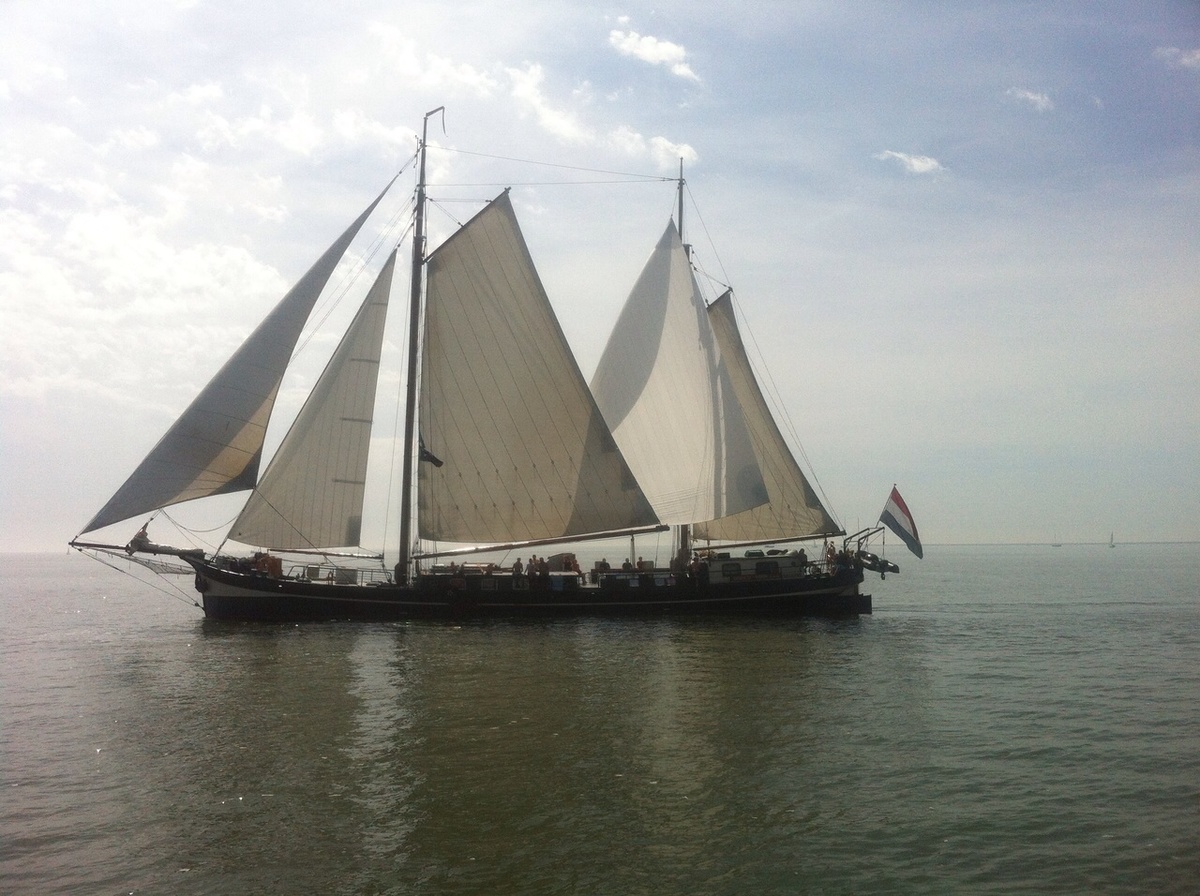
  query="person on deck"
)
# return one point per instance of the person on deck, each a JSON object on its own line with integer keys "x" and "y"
{"x": 679, "y": 565}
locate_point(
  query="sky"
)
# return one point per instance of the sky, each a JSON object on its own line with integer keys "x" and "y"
{"x": 964, "y": 237}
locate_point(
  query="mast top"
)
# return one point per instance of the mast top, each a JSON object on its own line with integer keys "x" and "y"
{"x": 686, "y": 248}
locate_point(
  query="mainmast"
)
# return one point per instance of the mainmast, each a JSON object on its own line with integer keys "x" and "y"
{"x": 684, "y": 535}
{"x": 686, "y": 247}
{"x": 414, "y": 341}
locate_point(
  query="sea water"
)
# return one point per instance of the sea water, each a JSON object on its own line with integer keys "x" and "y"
{"x": 1010, "y": 720}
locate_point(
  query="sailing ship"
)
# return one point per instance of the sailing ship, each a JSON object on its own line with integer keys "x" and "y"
{"x": 506, "y": 448}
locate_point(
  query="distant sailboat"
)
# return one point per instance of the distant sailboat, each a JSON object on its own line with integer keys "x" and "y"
{"x": 506, "y": 448}
{"x": 1111, "y": 543}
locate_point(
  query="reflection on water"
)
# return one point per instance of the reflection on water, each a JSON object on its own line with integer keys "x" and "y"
{"x": 999, "y": 745}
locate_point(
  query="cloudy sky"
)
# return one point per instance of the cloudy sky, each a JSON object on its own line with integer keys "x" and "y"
{"x": 964, "y": 237}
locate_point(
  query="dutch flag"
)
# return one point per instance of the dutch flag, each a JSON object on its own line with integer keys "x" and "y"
{"x": 897, "y": 518}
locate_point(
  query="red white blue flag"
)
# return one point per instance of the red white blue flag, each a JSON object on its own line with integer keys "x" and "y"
{"x": 897, "y": 518}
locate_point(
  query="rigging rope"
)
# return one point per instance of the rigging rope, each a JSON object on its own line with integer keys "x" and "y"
{"x": 630, "y": 177}
{"x": 177, "y": 593}
{"x": 763, "y": 372}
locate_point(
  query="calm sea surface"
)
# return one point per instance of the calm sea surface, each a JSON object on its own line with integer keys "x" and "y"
{"x": 1011, "y": 720}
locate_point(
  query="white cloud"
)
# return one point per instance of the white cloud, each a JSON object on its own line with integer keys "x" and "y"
{"x": 198, "y": 94}
{"x": 189, "y": 177}
{"x": 413, "y": 66}
{"x": 354, "y": 126}
{"x": 627, "y": 141}
{"x": 912, "y": 164}
{"x": 140, "y": 137}
{"x": 79, "y": 297}
{"x": 664, "y": 153}
{"x": 298, "y": 133}
{"x": 527, "y": 90}
{"x": 37, "y": 176}
{"x": 439, "y": 71}
{"x": 267, "y": 212}
{"x": 34, "y": 78}
{"x": 652, "y": 50}
{"x": 1039, "y": 101}
{"x": 1177, "y": 58}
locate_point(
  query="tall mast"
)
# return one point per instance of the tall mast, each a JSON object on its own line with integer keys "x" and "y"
{"x": 684, "y": 535}
{"x": 414, "y": 340}
{"x": 686, "y": 247}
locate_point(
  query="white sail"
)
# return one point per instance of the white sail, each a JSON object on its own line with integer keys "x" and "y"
{"x": 215, "y": 446}
{"x": 311, "y": 494}
{"x": 669, "y": 402}
{"x": 794, "y": 510}
{"x": 523, "y": 448}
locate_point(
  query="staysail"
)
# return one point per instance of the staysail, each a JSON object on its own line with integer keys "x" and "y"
{"x": 524, "y": 451}
{"x": 311, "y": 494}
{"x": 215, "y": 446}
{"x": 669, "y": 401}
{"x": 794, "y": 510}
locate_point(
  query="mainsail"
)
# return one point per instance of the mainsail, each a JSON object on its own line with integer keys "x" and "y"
{"x": 794, "y": 510}
{"x": 525, "y": 452}
{"x": 311, "y": 495}
{"x": 669, "y": 401}
{"x": 215, "y": 446}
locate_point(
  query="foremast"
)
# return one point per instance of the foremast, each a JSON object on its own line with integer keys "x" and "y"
{"x": 414, "y": 340}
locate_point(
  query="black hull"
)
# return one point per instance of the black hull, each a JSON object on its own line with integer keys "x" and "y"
{"x": 239, "y": 596}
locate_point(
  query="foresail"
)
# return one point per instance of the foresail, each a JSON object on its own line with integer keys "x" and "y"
{"x": 215, "y": 446}
{"x": 794, "y": 510}
{"x": 524, "y": 453}
{"x": 311, "y": 494}
{"x": 669, "y": 401}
